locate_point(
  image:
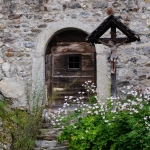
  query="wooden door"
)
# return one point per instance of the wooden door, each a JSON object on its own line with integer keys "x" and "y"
{"x": 72, "y": 63}
{"x": 48, "y": 76}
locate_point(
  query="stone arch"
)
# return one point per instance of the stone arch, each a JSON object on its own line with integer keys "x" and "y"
{"x": 38, "y": 66}
{"x": 61, "y": 71}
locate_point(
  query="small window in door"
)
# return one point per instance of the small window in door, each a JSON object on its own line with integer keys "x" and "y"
{"x": 74, "y": 62}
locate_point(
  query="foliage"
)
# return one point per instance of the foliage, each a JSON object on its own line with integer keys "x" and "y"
{"x": 20, "y": 125}
{"x": 116, "y": 125}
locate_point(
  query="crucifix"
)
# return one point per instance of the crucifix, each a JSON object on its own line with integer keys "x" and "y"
{"x": 113, "y": 55}
{"x": 113, "y": 42}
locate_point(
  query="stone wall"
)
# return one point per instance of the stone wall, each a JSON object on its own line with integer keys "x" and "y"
{"x": 26, "y": 26}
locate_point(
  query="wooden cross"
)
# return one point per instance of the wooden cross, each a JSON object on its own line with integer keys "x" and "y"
{"x": 112, "y": 22}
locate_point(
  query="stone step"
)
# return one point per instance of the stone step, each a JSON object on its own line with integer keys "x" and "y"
{"x": 49, "y": 134}
{"x": 47, "y": 112}
{"x": 61, "y": 148}
{"x": 44, "y": 144}
{"x": 56, "y": 148}
{"x": 50, "y": 145}
{"x": 46, "y": 125}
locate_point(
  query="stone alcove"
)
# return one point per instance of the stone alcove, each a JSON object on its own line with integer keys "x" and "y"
{"x": 38, "y": 67}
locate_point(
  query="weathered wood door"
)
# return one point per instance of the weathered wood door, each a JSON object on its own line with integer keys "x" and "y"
{"x": 48, "y": 75}
{"x": 68, "y": 66}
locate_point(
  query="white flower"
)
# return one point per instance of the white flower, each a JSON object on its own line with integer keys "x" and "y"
{"x": 96, "y": 112}
{"x": 70, "y": 97}
{"x": 113, "y": 111}
{"x": 89, "y": 112}
{"x": 86, "y": 131}
{"x": 96, "y": 107}
{"x": 128, "y": 87}
{"x": 65, "y": 112}
{"x": 103, "y": 117}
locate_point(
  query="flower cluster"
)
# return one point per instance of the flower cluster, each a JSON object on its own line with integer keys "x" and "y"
{"x": 116, "y": 119}
{"x": 76, "y": 107}
{"x": 90, "y": 87}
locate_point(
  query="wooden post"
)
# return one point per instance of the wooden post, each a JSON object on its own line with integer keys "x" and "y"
{"x": 113, "y": 76}
{"x": 113, "y": 85}
{"x": 113, "y": 33}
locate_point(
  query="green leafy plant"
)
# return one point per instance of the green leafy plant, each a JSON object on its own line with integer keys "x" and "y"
{"x": 20, "y": 127}
{"x": 115, "y": 125}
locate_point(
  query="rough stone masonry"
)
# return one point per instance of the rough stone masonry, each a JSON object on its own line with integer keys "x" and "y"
{"x": 26, "y": 26}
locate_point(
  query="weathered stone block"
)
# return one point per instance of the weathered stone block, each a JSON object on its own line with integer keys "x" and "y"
{"x": 25, "y": 9}
{"x": 36, "y": 30}
{"x": 1, "y": 16}
{"x": 84, "y": 14}
{"x": 14, "y": 16}
{"x": 13, "y": 8}
{"x": 1, "y": 33}
{"x": 1, "y": 60}
{"x": 74, "y": 16}
{"x": 55, "y": 7}
{"x": 74, "y": 5}
{"x": 124, "y": 72}
{"x": 142, "y": 60}
{"x": 6, "y": 67}
{"x": 2, "y": 26}
{"x": 146, "y": 50}
{"x": 14, "y": 88}
{"x": 46, "y": 144}
{"x": 28, "y": 2}
{"x": 1, "y": 43}
{"x": 99, "y": 5}
{"x": 9, "y": 40}
{"x": 142, "y": 77}
{"x": 29, "y": 45}
{"x": 145, "y": 82}
{"x": 9, "y": 54}
{"x": 37, "y": 17}
{"x": 42, "y": 26}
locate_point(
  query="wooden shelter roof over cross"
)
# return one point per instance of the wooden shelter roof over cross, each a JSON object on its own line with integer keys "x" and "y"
{"x": 112, "y": 22}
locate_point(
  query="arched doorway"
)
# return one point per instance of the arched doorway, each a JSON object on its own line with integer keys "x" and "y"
{"x": 69, "y": 62}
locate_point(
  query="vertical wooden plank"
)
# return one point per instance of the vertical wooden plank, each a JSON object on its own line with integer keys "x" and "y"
{"x": 113, "y": 76}
{"x": 113, "y": 85}
{"x": 48, "y": 72}
{"x": 113, "y": 33}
